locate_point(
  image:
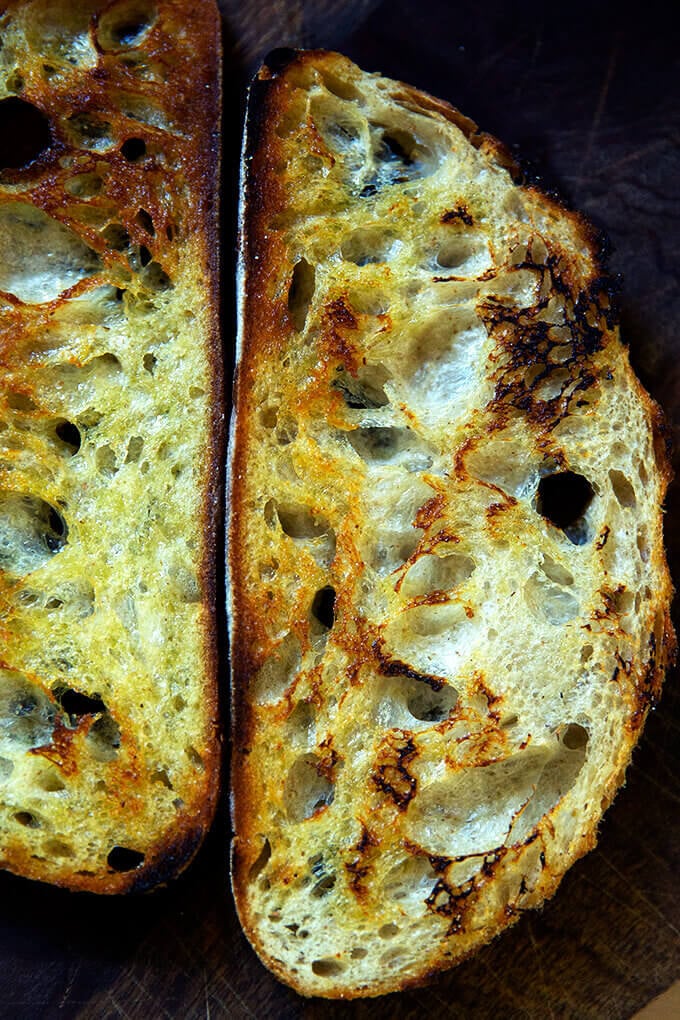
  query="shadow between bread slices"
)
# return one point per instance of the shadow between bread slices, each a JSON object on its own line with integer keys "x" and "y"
{"x": 448, "y": 594}
{"x": 111, "y": 437}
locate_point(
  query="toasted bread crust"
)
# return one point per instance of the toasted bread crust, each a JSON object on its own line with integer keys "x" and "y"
{"x": 286, "y": 673}
{"x": 131, "y": 95}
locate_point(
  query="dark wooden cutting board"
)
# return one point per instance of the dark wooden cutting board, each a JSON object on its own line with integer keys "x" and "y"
{"x": 590, "y": 94}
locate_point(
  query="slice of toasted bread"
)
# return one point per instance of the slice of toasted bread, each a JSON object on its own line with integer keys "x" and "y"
{"x": 110, "y": 438}
{"x": 449, "y": 597}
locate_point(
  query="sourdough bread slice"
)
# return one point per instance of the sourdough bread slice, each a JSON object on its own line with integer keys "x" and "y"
{"x": 110, "y": 426}
{"x": 449, "y": 599}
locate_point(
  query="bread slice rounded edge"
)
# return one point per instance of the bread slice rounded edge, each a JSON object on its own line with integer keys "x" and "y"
{"x": 433, "y": 962}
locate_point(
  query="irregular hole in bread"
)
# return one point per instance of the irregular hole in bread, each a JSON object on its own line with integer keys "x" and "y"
{"x": 103, "y": 738}
{"x": 358, "y": 953}
{"x": 552, "y": 385}
{"x": 366, "y": 389}
{"x": 643, "y": 473}
{"x": 410, "y": 879}
{"x": 50, "y": 781}
{"x": 133, "y": 149}
{"x": 88, "y": 131}
{"x": 643, "y": 545}
{"x": 84, "y": 186}
{"x": 105, "y": 458}
{"x": 323, "y": 606}
{"x": 24, "y": 133}
{"x": 300, "y": 293}
{"x": 309, "y": 529}
{"x": 549, "y": 601}
{"x": 123, "y": 25}
{"x": 278, "y": 672}
{"x": 442, "y": 363}
{"x": 398, "y": 157}
{"x": 556, "y": 572}
{"x": 58, "y": 848}
{"x": 116, "y": 237}
{"x": 144, "y": 220}
{"x": 563, "y": 499}
{"x": 505, "y": 460}
{"x": 31, "y": 532}
{"x": 155, "y": 278}
{"x": 383, "y": 445}
{"x": 388, "y": 931}
{"x": 40, "y": 257}
{"x": 341, "y": 128}
{"x": 68, "y": 434}
{"x": 26, "y": 713}
{"x": 301, "y": 723}
{"x": 325, "y": 880}
{"x": 340, "y": 87}
{"x": 28, "y": 819}
{"x": 369, "y": 245}
{"x": 134, "y": 449}
{"x": 122, "y": 858}
{"x": 436, "y": 572}
{"x": 286, "y": 431}
{"x": 20, "y": 402}
{"x": 427, "y": 703}
{"x": 575, "y": 736}
{"x": 328, "y": 967}
{"x": 195, "y": 758}
{"x": 306, "y": 790}
{"x": 261, "y": 861}
{"x": 6, "y": 768}
{"x": 76, "y": 704}
{"x": 478, "y": 809}
{"x": 466, "y": 253}
{"x": 623, "y": 488}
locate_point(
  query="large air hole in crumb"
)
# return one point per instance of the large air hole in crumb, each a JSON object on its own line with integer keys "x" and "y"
{"x": 643, "y": 543}
{"x": 429, "y": 704}
{"x": 26, "y": 713}
{"x": 309, "y": 529}
{"x": 76, "y": 704}
{"x": 278, "y": 672}
{"x": 123, "y": 858}
{"x": 432, "y": 573}
{"x": 24, "y": 133}
{"x": 301, "y": 723}
{"x": 39, "y": 256}
{"x": 563, "y": 499}
{"x": 323, "y": 607}
{"x": 27, "y": 819}
{"x": 89, "y": 132}
{"x": 84, "y": 186}
{"x": 463, "y": 254}
{"x": 133, "y": 150}
{"x": 300, "y": 293}
{"x": 307, "y": 790}
{"x": 364, "y": 390}
{"x": 327, "y": 967}
{"x": 575, "y": 737}
{"x": 59, "y": 848}
{"x": 373, "y": 244}
{"x": 68, "y": 434}
{"x": 556, "y": 572}
{"x": 623, "y": 488}
{"x": 31, "y": 532}
{"x": 398, "y": 157}
{"x": 103, "y": 738}
{"x": 384, "y": 445}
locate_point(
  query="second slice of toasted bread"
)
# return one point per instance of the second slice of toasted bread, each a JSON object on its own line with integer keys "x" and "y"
{"x": 110, "y": 433}
{"x": 449, "y": 596}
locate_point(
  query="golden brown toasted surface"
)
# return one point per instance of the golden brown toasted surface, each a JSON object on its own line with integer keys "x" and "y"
{"x": 110, "y": 438}
{"x": 449, "y": 598}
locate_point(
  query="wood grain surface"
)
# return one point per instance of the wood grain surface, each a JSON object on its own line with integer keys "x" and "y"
{"x": 590, "y": 95}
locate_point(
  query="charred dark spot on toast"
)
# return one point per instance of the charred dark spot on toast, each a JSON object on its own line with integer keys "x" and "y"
{"x": 397, "y": 750}
{"x": 360, "y": 861}
{"x": 459, "y": 213}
